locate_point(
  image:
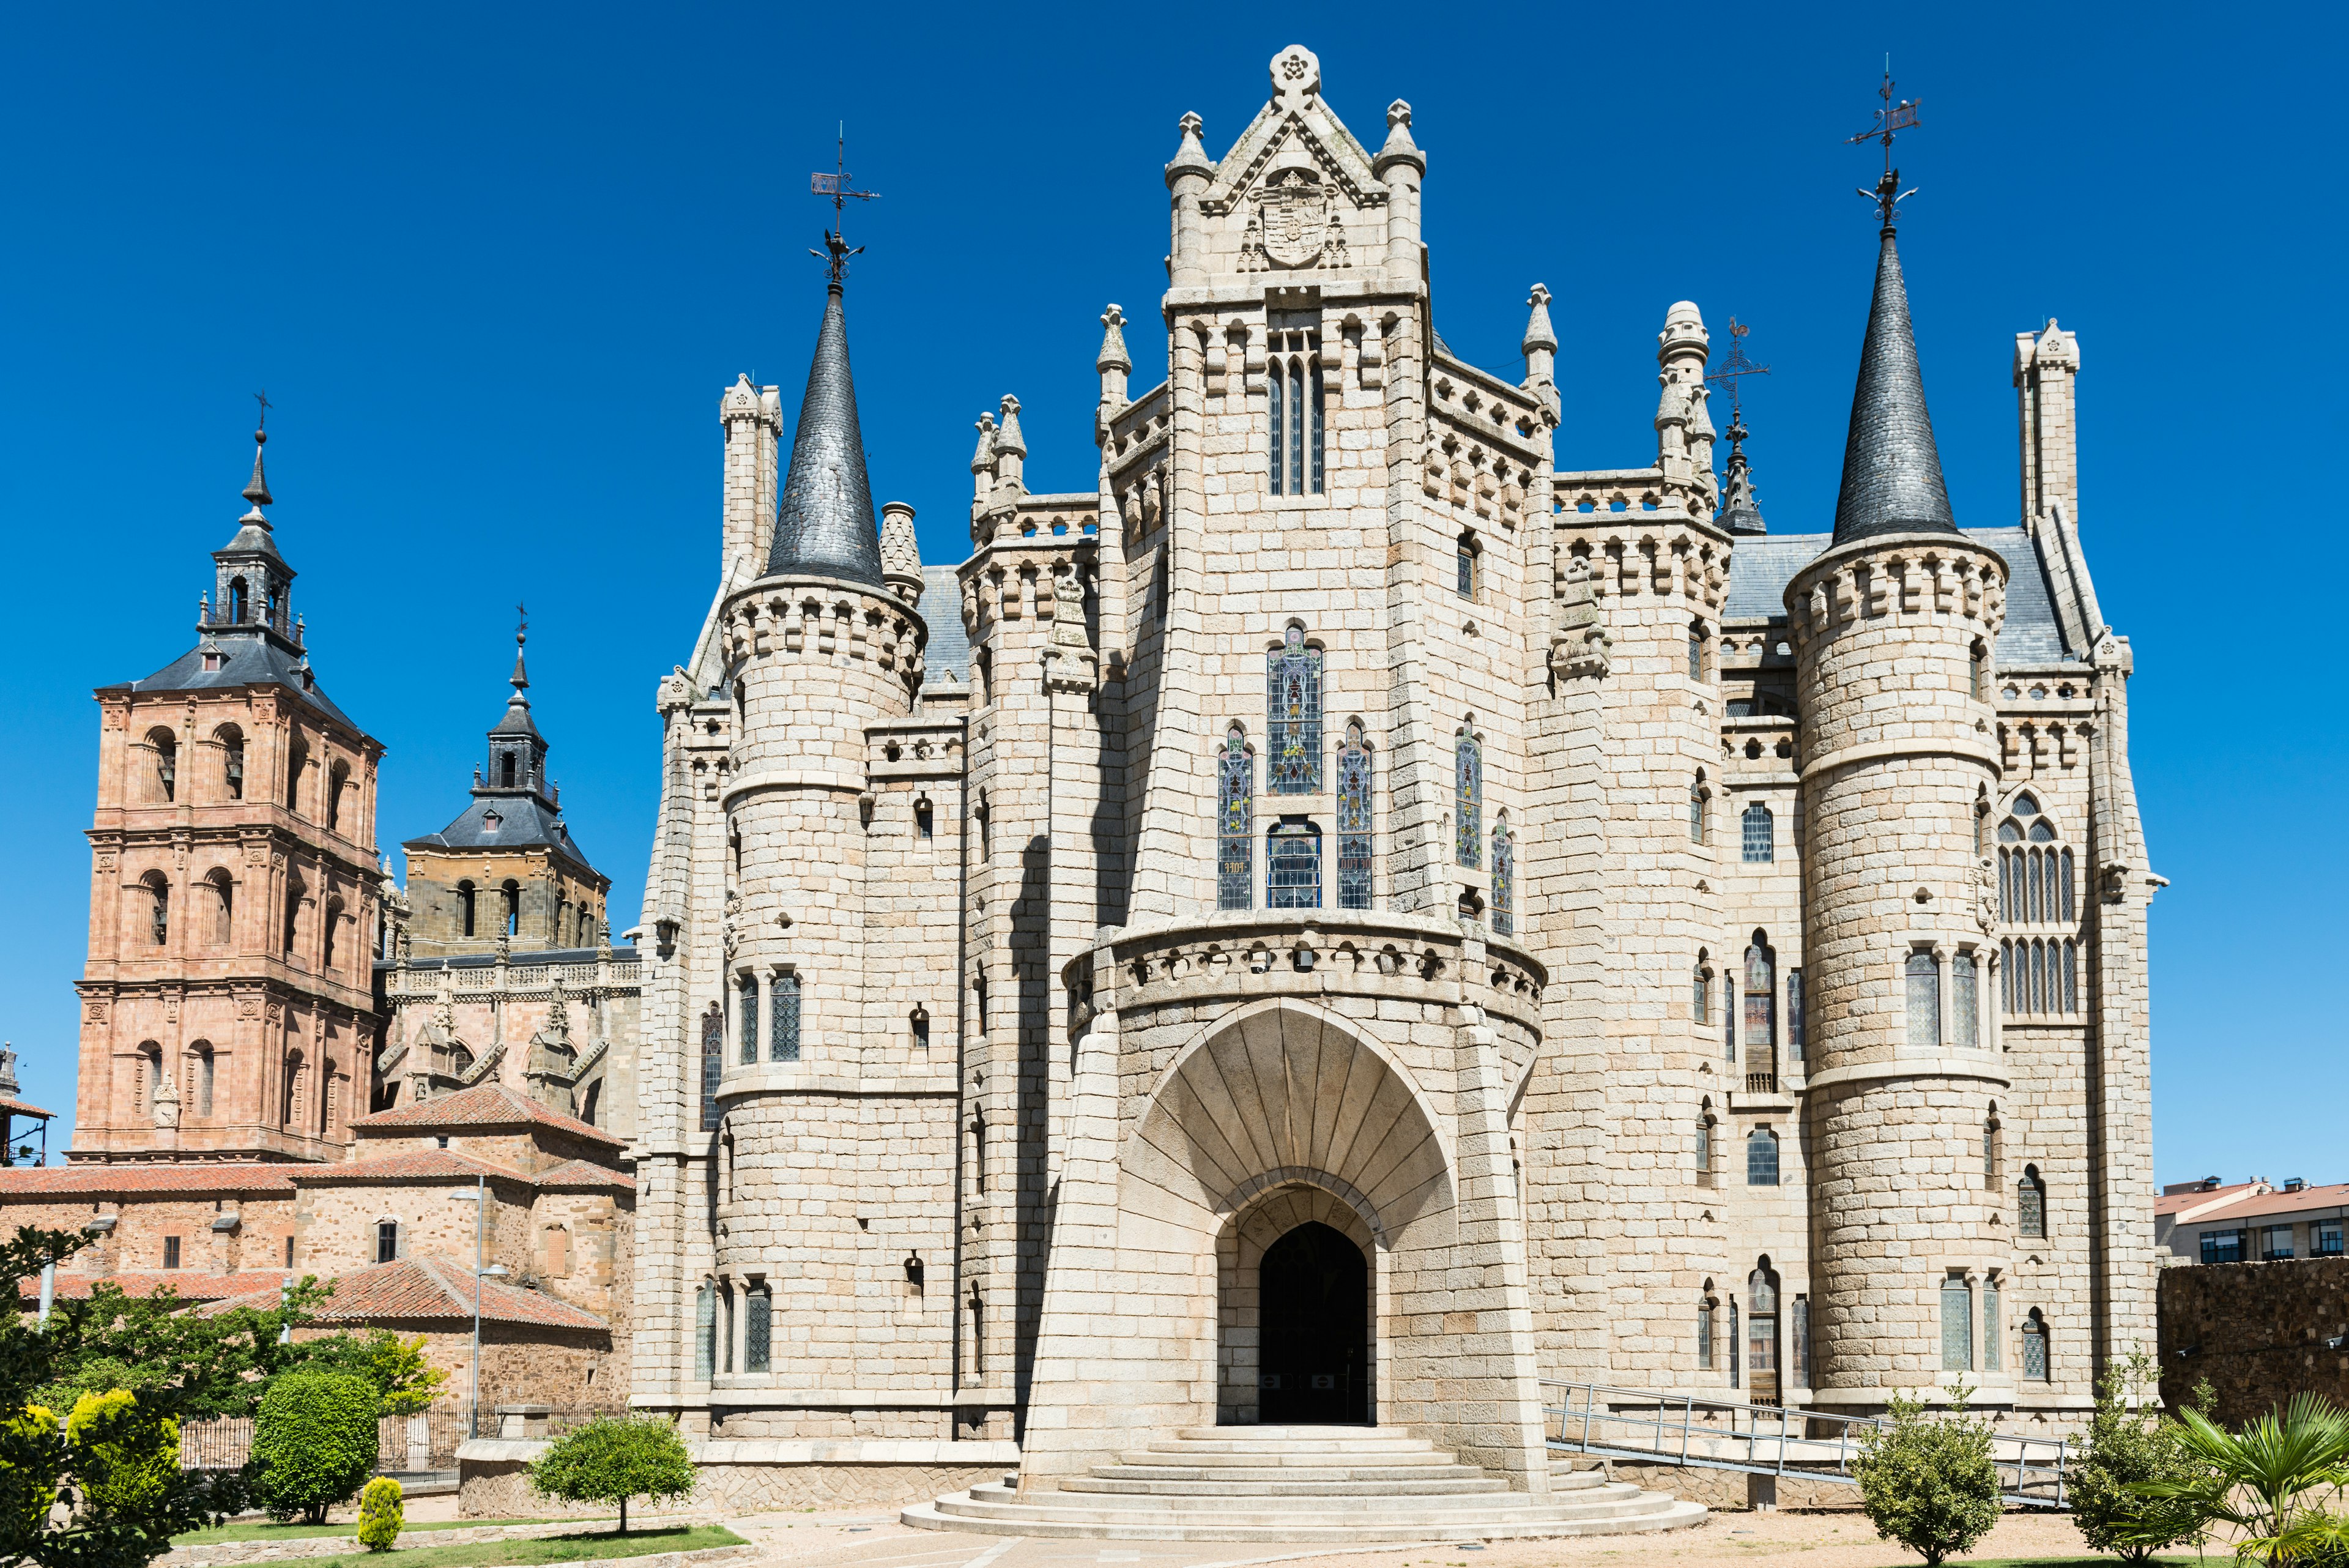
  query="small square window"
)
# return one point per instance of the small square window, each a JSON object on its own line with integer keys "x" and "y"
{"x": 171, "y": 1252}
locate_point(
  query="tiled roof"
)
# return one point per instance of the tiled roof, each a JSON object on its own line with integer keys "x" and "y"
{"x": 19, "y": 1108}
{"x": 427, "y": 1288}
{"x": 490, "y": 1105}
{"x": 421, "y": 1164}
{"x": 98, "y": 1180}
{"x": 580, "y": 1173}
{"x": 2200, "y": 1196}
{"x": 191, "y": 1284}
{"x": 2270, "y": 1205}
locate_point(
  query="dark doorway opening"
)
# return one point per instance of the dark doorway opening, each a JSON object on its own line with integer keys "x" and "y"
{"x": 1313, "y": 1301}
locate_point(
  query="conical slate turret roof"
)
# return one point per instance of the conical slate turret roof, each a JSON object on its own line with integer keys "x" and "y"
{"x": 825, "y": 527}
{"x": 1891, "y": 469}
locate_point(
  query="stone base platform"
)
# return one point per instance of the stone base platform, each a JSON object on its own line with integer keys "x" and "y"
{"x": 1315, "y": 1485}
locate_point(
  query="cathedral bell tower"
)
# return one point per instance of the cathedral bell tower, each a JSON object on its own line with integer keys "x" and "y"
{"x": 225, "y": 1005}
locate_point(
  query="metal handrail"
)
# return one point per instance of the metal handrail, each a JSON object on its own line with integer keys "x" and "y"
{"x": 1770, "y": 1438}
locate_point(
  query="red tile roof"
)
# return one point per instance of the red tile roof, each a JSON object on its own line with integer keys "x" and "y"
{"x": 192, "y": 1286}
{"x": 2269, "y": 1204}
{"x": 19, "y": 1108}
{"x": 2195, "y": 1197}
{"x": 490, "y": 1105}
{"x": 580, "y": 1173}
{"x": 191, "y": 1176}
{"x": 419, "y": 1164}
{"x": 429, "y": 1288}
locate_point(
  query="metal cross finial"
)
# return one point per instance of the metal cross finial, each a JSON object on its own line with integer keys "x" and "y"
{"x": 263, "y": 399}
{"x": 521, "y": 614}
{"x": 1737, "y": 366}
{"x": 836, "y": 250}
{"x": 1893, "y": 116}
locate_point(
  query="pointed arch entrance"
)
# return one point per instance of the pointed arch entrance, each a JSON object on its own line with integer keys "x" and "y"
{"x": 1313, "y": 1302}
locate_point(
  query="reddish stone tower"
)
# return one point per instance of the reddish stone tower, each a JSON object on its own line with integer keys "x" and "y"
{"x": 226, "y": 1010}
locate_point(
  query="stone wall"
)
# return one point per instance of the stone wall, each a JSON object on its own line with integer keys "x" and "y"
{"x": 751, "y": 1478}
{"x": 2256, "y": 1331}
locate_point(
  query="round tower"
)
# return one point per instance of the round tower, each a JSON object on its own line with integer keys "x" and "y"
{"x": 1893, "y": 627}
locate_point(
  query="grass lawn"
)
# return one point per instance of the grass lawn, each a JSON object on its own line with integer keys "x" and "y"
{"x": 2218, "y": 1559}
{"x": 258, "y": 1530}
{"x": 587, "y": 1544}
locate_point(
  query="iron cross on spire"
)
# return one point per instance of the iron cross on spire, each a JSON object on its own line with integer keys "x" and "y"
{"x": 1736, "y": 367}
{"x": 263, "y": 399}
{"x": 836, "y": 251}
{"x": 1893, "y": 116}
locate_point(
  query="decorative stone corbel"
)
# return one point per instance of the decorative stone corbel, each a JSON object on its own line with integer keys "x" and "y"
{"x": 1578, "y": 644}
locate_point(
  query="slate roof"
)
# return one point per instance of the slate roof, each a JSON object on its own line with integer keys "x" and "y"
{"x": 98, "y": 1180}
{"x": 1891, "y": 469}
{"x": 527, "y": 822}
{"x": 424, "y": 1289}
{"x": 490, "y": 1105}
{"x": 946, "y": 659}
{"x": 252, "y": 658}
{"x": 825, "y": 525}
{"x": 1760, "y": 569}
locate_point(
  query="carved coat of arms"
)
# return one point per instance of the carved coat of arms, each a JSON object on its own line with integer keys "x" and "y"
{"x": 1295, "y": 214}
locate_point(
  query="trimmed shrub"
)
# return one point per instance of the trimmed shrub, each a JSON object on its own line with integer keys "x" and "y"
{"x": 612, "y": 1459}
{"x": 314, "y": 1442}
{"x": 1928, "y": 1483}
{"x": 2125, "y": 1445}
{"x": 128, "y": 1464}
{"x": 381, "y": 1515}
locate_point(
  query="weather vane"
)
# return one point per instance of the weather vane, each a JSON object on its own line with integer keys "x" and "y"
{"x": 1894, "y": 116}
{"x": 1737, "y": 366}
{"x": 836, "y": 251}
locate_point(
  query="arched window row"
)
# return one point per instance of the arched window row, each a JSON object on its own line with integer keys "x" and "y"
{"x": 2035, "y": 886}
{"x": 2039, "y": 975}
{"x": 1293, "y": 398}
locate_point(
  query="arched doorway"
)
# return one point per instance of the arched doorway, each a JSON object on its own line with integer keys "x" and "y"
{"x": 1313, "y": 1321}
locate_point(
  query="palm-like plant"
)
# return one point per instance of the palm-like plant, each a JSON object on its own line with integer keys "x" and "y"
{"x": 2260, "y": 1480}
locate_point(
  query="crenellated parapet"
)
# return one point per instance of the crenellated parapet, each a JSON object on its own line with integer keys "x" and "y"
{"x": 825, "y": 619}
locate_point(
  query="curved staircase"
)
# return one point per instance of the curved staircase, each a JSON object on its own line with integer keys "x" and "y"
{"x": 1341, "y": 1485}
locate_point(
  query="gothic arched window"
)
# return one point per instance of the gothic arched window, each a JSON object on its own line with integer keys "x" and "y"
{"x": 1468, "y": 799}
{"x": 1696, "y": 651}
{"x": 202, "y": 1053}
{"x": 2035, "y": 1348}
{"x": 1505, "y": 878}
{"x": 1471, "y": 565}
{"x": 296, "y": 758}
{"x": 1293, "y": 397}
{"x": 1761, "y": 835}
{"x": 783, "y": 1017}
{"x": 293, "y": 894}
{"x": 1293, "y": 716}
{"x": 506, "y": 770}
{"x": 239, "y": 601}
{"x": 1704, "y": 1154}
{"x": 1292, "y": 865}
{"x": 1701, "y": 991}
{"x": 1235, "y": 823}
{"x": 1355, "y": 820}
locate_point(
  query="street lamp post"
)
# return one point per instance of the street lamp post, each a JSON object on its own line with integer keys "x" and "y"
{"x": 480, "y": 1199}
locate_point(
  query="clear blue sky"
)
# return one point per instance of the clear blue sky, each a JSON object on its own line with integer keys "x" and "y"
{"x": 493, "y": 265}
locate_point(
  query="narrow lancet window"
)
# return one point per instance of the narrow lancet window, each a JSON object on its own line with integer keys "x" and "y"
{"x": 1235, "y": 823}
{"x": 747, "y": 1017}
{"x": 1276, "y": 471}
{"x": 783, "y": 1017}
{"x": 1924, "y": 1003}
{"x": 1354, "y": 821}
{"x": 1468, "y": 800}
{"x": 1293, "y": 716}
{"x": 1965, "y": 1002}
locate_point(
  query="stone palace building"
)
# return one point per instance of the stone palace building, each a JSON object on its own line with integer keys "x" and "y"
{"x": 1342, "y": 921}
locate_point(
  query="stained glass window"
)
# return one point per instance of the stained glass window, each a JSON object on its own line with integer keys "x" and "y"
{"x": 758, "y": 1333}
{"x": 1293, "y": 717}
{"x": 1761, "y": 995}
{"x": 1468, "y": 801}
{"x": 1957, "y": 1325}
{"x": 1292, "y": 865}
{"x": 1924, "y": 1003}
{"x": 713, "y": 1063}
{"x": 784, "y": 1024}
{"x": 747, "y": 1015}
{"x": 1762, "y": 1157}
{"x": 1505, "y": 882}
{"x": 1761, "y": 835}
{"x": 2035, "y": 1348}
{"x": 1991, "y": 1359}
{"x": 1354, "y": 821}
{"x": 1234, "y": 823}
{"x": 1965, "y": 1001}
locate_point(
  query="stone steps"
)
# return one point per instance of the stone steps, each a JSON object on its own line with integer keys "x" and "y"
{"x": 1336, "y": 1485}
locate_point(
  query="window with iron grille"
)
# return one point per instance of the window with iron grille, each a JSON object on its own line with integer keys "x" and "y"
{"x": 2035, "y": 1348}
{"x": 759, "y": 1332}
{"x": 1234, "y": 823}
{"x": 784, "y": 1020}
{"x": 713, "y": 1065}
{"x": 1762, "y": 1157}
{"x": 1468, "y": 800}
{"x": 1293, "y": 717}
{"x": 1354, "y": 821}
{"x": 705, "y": 1333}
{"x": 1292, "y": 865}
{"x": 1957, "y": 1325}
{"x": 1761, "y": 835}
{"x": 1505, "y": 882}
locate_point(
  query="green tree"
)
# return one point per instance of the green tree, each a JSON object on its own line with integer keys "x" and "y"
{"x": 2129, "y": 1441}
{"x": 380, "y": 1514}
{"x": 612, "y": 1459}
{"x": 403, "y": 1381}
{"x": 121, "y": 1506}
{"x": 2267, "y": 1480}
{"x": 314, "y": 1442}
{"x": 217, "y": 1362}
{"x": 1928, "y": 1483}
